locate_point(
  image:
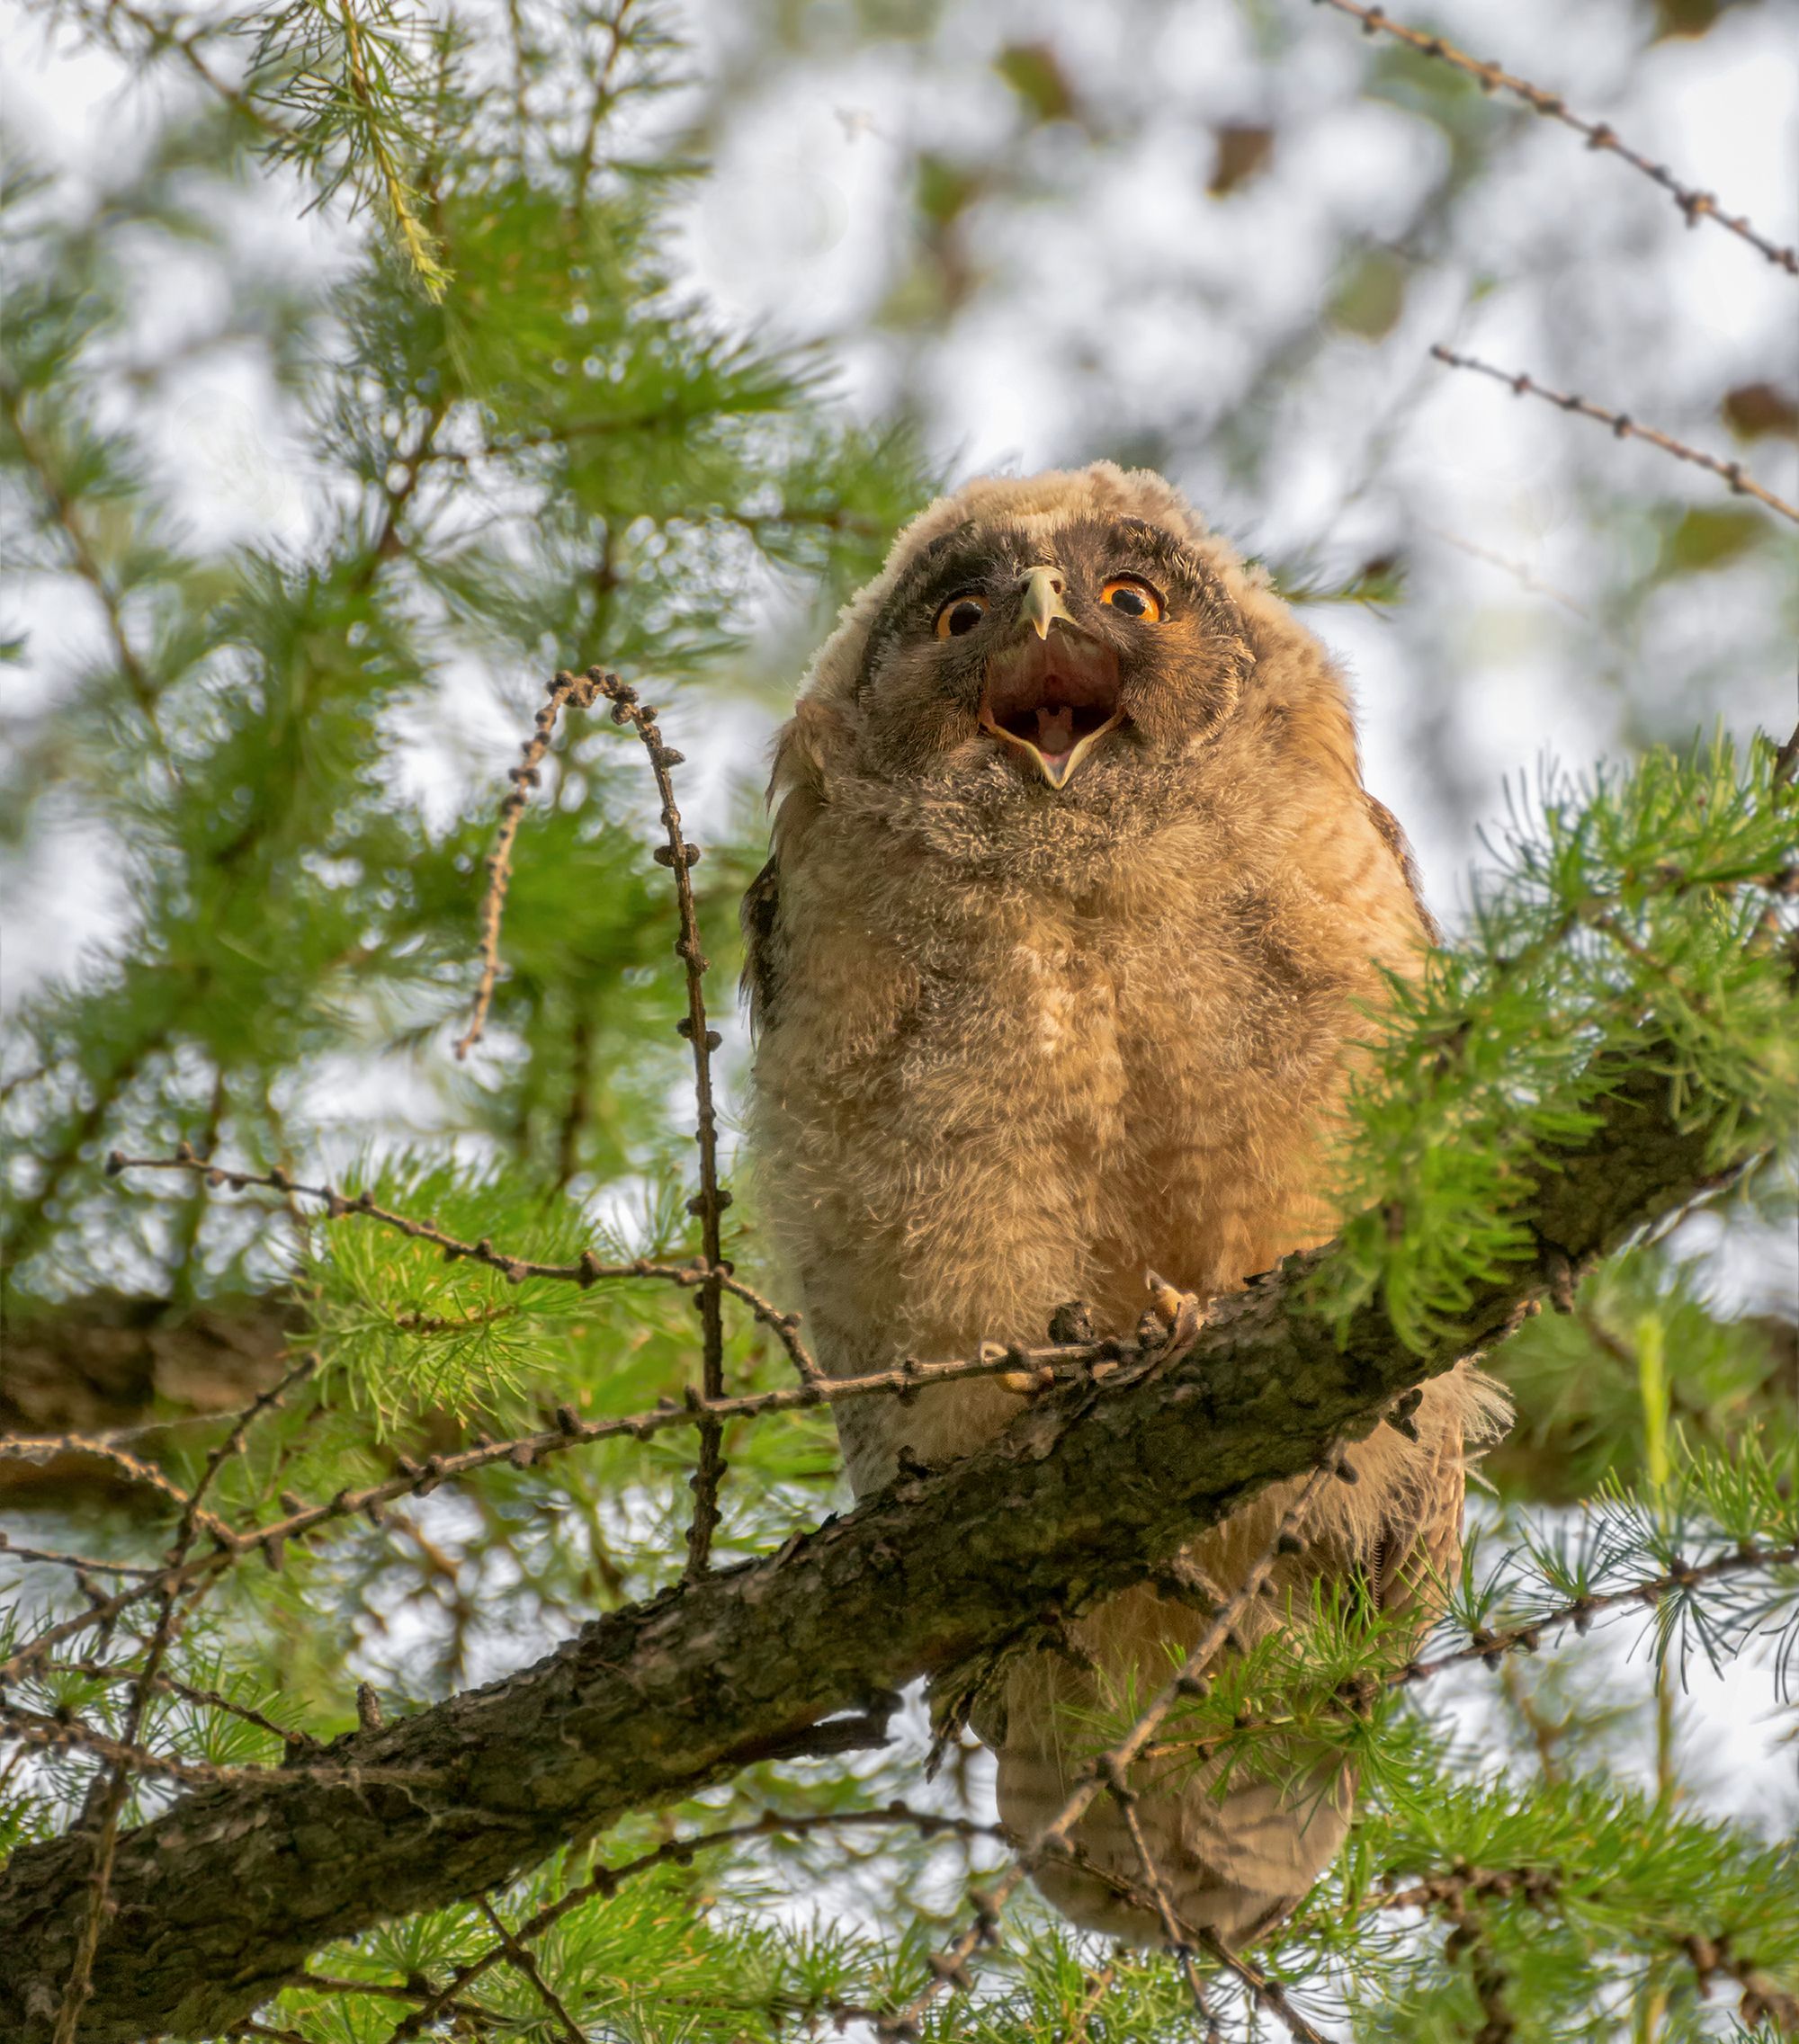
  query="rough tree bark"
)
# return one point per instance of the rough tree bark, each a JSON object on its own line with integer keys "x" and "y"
{"x": 217, "y": 1901}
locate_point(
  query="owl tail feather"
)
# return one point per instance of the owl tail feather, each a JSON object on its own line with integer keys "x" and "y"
{"x": 1234, "y": 1864}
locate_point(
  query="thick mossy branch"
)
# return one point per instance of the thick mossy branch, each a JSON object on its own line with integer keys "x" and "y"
{"x": 218, "y": 1900}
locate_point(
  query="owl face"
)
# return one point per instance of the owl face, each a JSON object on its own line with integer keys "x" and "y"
{"x": 1075, "y": 666}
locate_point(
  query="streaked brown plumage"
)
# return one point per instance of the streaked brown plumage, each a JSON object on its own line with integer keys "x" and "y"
{"x": 1074, "y": 904}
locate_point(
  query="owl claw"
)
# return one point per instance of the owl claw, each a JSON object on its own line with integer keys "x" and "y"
{"x": 1021, "y": 1383}
{"x": 1181, "y": 1313}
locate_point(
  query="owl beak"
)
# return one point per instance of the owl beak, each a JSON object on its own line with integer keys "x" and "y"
{"x": 1043, "y": 601}
{"x": 1056, "y": 767}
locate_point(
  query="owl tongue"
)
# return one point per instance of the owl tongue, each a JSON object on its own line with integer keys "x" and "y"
{"x": 1055, "y": 731}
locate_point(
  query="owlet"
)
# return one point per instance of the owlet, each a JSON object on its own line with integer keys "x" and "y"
{"x": 1076, "y": 911}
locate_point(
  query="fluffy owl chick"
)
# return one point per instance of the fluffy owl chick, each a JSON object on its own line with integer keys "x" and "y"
{"x": 1075, "y": 907}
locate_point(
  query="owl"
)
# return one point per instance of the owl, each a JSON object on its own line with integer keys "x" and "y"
{"x": 1066, "y": 953}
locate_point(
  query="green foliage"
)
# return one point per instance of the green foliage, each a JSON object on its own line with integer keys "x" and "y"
{"x": 560, "y": 461}
{"x": 1634, "y": 922}
{"x": 1576, "y": 1378}
{"x": 1371, "y": 298}
{"x": 1605, "y": 1884}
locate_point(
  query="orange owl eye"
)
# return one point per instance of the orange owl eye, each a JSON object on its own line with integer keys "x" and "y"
{"x": 959, "y": 614}
{"x": 1134, "y": 599}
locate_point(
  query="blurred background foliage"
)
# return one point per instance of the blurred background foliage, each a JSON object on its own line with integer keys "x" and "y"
{"x": 364, "y": 364}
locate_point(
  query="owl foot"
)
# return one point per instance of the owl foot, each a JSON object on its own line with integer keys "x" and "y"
{"x": 1070, "y": 1324}
{"x": 1175, "y": 1316}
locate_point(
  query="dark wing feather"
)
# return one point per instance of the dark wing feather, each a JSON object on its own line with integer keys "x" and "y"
{"x": 762, "y": 945}
{"x": 1411, "y": 1565}
{"x": 1394, "y": 838}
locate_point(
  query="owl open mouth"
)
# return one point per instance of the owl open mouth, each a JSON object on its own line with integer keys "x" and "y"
{"x": 1052, "y": 700}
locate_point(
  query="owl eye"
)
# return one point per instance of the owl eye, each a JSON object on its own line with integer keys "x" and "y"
{"x": 959, "y": 614}
{"x": 1135, "y": 599}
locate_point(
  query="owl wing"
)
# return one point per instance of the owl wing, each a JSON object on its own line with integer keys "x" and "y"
{"x": 1395, "y": 840}
{"x": 762, "y": 944}
{"x": 1413, "y": 1564}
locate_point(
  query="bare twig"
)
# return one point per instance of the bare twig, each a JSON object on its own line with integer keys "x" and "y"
{"x": 1517, "y": 571}
{"x": 1173, "y": 1930}
{"x": 71, "y": 1733}
{"x": 476, "y": 2014}
{"x": 1268, "y": 1992}
{"x": 525, "y": 777}
{"x": 74, "y": 1735}
{"x": 31, "y": 1448}
{"x": 709, "y": 1205}
{"x": 342, "y": 1983}
{"x": 99, "y": 1615}
{"x": 1624, "y": 426}
{"x": 587, "y": 1270}
{"x": 83, "y": 1564}
{"x": 1597, "y": 134}
{"x": 524, "y": 1962}
{"x": 191, "y": 1692}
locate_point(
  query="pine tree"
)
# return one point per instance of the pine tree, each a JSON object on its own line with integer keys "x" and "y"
{"x": 337, "y": 1424}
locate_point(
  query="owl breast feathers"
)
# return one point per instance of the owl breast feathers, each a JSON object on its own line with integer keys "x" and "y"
{"x": 1076, "y": 911}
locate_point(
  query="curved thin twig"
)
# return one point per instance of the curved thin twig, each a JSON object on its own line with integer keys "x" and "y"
{"x": 709, "y": 1205}
{"x": 588, "y": 1269}
{"x": 525, "y": 777}
{"x": 1597, "y": 134}
{"x": 1625, "y": 428}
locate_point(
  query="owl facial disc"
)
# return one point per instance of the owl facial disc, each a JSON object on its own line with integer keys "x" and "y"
{"x": 1051, "y": 695}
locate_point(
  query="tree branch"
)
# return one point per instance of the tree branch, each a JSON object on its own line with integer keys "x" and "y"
{"x": 1624, "y": 427}
{"x": 220, "y": 1900}
{"x": 1694, "y": 205}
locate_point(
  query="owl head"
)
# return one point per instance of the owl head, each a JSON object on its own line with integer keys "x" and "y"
{"x": 1059, "y": 658}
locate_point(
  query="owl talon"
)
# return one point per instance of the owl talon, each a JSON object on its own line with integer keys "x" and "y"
{"x": 1026, "y": 1383}
{"x": 1181, "y": 1313}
